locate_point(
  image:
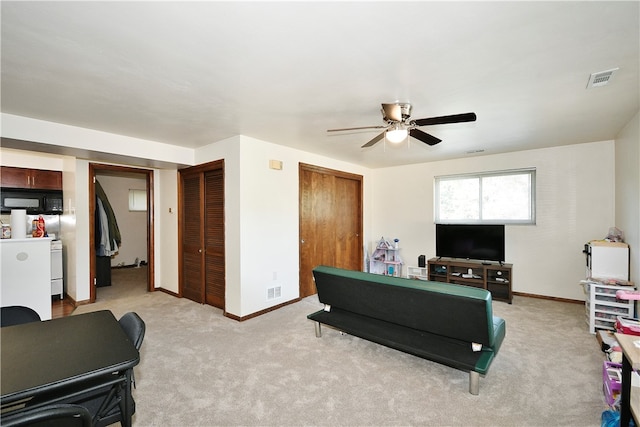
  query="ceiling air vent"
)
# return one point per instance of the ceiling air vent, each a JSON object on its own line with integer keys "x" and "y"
{"x": 600, "y": 78}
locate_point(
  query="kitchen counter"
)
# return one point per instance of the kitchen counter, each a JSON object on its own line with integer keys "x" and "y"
{"x": 27, "y": 239}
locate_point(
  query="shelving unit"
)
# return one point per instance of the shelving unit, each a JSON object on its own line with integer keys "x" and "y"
{"x": 602, "y": 307}
{"x": 495, "y": 277}
{"x": 386, "y": 259}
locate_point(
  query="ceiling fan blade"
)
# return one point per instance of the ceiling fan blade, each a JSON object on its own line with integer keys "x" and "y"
{"x": 374, "y": 140}
{"x": 424, "y": 137}
{"x": 455, "y": 118}
{"x": 359, "y": 128}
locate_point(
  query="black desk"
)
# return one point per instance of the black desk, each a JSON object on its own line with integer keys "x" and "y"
{"x": 71, "y": 353}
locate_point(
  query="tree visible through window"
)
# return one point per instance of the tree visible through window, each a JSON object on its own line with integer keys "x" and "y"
{"x": 505, "y": 197}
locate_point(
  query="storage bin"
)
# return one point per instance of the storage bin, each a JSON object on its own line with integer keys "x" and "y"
{"x": 611, "y": 382}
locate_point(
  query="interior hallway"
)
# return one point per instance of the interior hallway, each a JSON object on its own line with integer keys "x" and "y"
{"x": 125, "y": 282}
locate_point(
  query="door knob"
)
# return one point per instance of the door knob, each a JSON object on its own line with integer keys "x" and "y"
{"x": 301, "y": 240}
{"x": 199, "y": 251}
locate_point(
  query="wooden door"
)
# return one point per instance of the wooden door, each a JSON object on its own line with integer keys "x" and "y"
{"x": 202, "y": 263}
{"x": 214, "y": 238}
{"x": 330, "y": 222}
{"x": 192, "y": 237}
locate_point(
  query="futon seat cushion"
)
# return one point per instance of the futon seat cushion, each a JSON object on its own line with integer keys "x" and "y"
{"x": 447, "y": 351}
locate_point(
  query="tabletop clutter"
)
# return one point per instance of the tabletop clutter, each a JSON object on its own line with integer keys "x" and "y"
{"x": 20, "y": 227}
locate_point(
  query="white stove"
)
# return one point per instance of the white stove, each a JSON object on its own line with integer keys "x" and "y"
{"x": 57, "y": 275}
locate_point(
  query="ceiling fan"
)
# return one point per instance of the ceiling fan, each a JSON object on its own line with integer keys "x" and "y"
{"x": 399, "y": 125}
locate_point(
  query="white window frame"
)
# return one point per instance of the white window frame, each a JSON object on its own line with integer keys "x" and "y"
{"x": 137, "y": 200}
{"x": 531, "y": 220}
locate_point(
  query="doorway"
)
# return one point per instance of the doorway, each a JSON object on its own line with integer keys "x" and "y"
{"x": 330, "y": 222}
{"x": 123, "y": 172}
{"x": 202, "y": 234}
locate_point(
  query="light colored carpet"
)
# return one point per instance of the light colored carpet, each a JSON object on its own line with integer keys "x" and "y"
{"x": 199, "y": 368}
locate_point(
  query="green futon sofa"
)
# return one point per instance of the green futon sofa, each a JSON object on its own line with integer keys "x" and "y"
{"x": 449, "y": 324}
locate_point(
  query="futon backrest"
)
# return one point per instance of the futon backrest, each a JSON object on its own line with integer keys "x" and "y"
{"x": 454, "y": 311}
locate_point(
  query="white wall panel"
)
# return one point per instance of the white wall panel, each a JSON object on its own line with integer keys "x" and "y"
{"x": 627, "y": 175}
{"x": 165, "y": 198}
{"x": 575, "y": 204}
{"x": 261, "y": 218}
{"x": 575, "y": 197}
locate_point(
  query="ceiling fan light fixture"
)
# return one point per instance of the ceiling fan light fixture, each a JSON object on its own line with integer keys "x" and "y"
{"x": 399, "y": 126}
{"x": 396, "y": 134}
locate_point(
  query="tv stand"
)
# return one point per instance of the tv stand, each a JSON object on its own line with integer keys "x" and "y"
{"x": 495, "y": 277}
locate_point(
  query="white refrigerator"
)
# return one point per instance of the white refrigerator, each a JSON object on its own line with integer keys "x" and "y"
{"x": 607, "y": 260}
{"x": 25, "y": 275}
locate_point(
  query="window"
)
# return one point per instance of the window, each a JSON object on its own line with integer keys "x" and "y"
{"x": 137, "y": 200}
{"x": 504, "y": 197}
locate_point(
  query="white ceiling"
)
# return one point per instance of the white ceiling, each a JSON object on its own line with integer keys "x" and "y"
{"x": 193, "y": 73}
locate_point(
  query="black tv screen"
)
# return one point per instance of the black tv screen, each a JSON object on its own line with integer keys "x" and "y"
{"x": 470, "y": 241}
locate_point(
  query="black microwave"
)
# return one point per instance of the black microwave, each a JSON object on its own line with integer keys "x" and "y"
{"x": 33, "y": 201}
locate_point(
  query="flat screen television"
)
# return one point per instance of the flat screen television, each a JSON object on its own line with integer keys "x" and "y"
{"x": 484, "y": 242}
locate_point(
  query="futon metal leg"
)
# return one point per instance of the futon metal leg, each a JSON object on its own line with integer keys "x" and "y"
{"x": 474, "y": 382}
{"x": 318, "y": 330}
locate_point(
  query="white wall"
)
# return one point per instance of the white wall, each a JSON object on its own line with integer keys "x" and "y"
{"x": 261, "y": 218}
{"x": 575, "y": 187}
{"x": 78, "y": 227}
{"x": 30, "y": 159}
{"x": 269, "y": 224}
{"x": 575, "y": 200}
{"x": 627, "y": 178}
{"x": 61, "y": 135}
{"x": 165, "y": 203}
{"x": 68, "y": 228}
{"x": 75, "y": 220}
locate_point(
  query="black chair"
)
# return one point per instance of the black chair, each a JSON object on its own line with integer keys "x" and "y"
{"x": 60, "y": 415}
{"x": 134, "y": 327}
{"x": 17, "y": 315}
{"x": 106, "y": 405}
